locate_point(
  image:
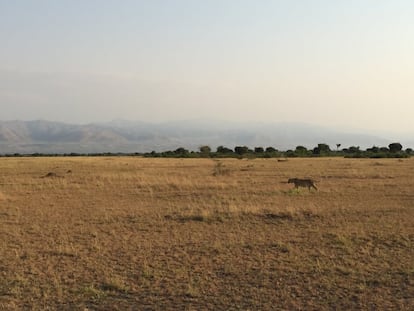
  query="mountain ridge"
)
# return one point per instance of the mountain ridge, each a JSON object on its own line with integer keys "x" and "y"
{"x": 45, "y": 136}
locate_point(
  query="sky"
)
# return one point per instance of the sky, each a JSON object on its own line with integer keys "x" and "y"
{"x": 342, "y": 64}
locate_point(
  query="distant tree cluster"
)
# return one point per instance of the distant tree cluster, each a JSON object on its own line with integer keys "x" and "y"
{"x": 394, "y": 150}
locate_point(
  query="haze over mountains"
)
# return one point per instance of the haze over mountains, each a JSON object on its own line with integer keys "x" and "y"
{"x": 133, "y": 136}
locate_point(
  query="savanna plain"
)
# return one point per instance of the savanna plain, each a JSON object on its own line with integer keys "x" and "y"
{"x": 131, "y": 233}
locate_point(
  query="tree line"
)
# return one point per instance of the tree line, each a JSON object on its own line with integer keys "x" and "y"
{"x": 393, "y": 150}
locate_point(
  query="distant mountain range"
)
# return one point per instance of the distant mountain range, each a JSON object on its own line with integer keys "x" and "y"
{"x": 133, "y": 136}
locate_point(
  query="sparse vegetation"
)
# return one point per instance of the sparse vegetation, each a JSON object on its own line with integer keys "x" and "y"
{"x": 126, "y": 233}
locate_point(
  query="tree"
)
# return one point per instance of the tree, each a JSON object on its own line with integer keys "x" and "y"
{"x": 181, "y": 151}
{"x": 240, "y": 150}
{"x": 270, "y": 149}
{"x": 301, "y": 150}
{"x": 395, "y": 147}
{"x": 374, "y": 149}
{"x": 337, "y": 146}
{"x": 321, "y": 149}
{"x": 205, "y": 150}
{"x": 353, "y": 149}
{"x": 258, "y": 149}
{"x": 290, "y": 153}
{"x": 324, "y": 148}
{"x": 222, "y": 149}
{"x": 408, "y": 151}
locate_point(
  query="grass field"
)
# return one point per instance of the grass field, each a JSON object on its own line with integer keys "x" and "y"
{"x": 196, "y": 234}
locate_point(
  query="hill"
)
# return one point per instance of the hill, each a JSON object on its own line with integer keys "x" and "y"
{"x": 134, "y": 136}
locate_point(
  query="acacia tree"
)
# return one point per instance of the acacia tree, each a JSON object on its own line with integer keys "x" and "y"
{"x": 301, "y": 150}
{"x": 222, "y": 149}
{"x": 321, "y": 149}
{"x": 205, "y": 150}
{"x": 241, "y": 150}
{"x": 181, "y": 151}
{"x": 395, "y": 147}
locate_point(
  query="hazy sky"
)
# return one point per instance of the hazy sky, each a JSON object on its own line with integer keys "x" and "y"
{"x": 333, "y": 63}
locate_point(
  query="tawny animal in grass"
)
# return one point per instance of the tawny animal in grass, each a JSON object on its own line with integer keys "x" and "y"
{"x": 50, "y": 174}
{"x": 306, "y": 183}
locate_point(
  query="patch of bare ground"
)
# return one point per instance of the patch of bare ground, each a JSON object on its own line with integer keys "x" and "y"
{"x": 134, "y": 233}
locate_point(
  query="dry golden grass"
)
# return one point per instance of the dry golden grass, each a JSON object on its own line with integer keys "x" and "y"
{"x": 134, "y": 233}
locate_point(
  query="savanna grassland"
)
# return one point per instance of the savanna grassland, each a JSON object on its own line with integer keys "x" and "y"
{"x": 132, "y": 233}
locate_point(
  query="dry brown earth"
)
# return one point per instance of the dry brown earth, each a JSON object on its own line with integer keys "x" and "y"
{"x": 201, "y": 234}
